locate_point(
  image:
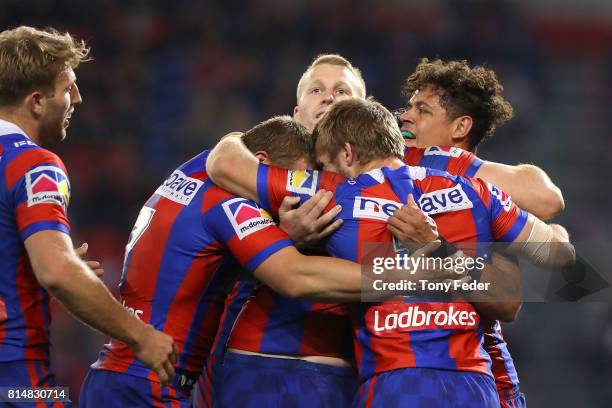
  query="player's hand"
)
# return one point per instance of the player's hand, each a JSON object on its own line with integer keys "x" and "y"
{"x": 411, "y": 226}
{"x": 157, "y": 351}
{"x": 93, "y": 265}
{"x": 305, "y": 224}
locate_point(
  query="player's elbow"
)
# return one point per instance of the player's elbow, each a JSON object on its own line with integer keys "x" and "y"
{"x": 551, "y": 203}
{"x": 219, "y": 168}
{"x": 51, "y": 276}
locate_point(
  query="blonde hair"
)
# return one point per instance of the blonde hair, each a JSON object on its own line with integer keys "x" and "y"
{"x": 337, "y": 60}
{"x": 31, "y": 59}
{"x": 367, "y": 125}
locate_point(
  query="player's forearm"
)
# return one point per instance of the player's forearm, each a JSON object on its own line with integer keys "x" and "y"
{"x": 544, "y": 245}
{"x": 529, "y": 186}
{"x": 503, "y": 298}
{"x": 325, "y": 279}
{"x": 86, "y": 297}
{"x": 231, "y": 166}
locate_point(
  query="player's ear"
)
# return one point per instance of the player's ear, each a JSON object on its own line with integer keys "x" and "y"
{"x": 296, "y": 110}
{"x": 261, "y": 155}
{"x": 461, "y": 128}
{"x": 36, "y": 103}
{"x": 348, "y": 155}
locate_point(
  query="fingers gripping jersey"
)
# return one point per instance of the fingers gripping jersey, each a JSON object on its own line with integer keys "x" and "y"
{"x": 465, "y": 210}
{"x": 34, "y": 195}
{"x": 177, "y": 267}
{"x": 462, "y": 163}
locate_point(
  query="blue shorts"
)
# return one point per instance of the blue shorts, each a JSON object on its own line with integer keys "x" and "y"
{"x": 430, "y": 388}
{"x": 252, "y": 381}
{"x": 28, "y": 373}
{"x": 512, "y": 398}
{"x": 109, "y": 389}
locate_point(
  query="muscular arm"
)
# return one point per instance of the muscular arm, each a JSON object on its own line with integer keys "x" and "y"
{"x": 327, "y": 279}
{"x": 59, "y": 270}
{"x": 231, "y": 166}
{"x": 529, "y": 186}
{"x": 543, "y": 244}
{"x": 503, "y": 300}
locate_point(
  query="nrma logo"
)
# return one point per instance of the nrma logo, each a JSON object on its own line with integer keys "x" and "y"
{"x": 374, "y": 208}
{"x": 302, "y": 182}
{"x": 47, "y": 184}
{"x": 442, "y": 151}
{"x": 179, "y": 188}
{"x": 246, "y": 217}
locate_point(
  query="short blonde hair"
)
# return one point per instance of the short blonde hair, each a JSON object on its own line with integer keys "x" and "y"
{"x": 337, "y": 60}
{"x": 31, "y": 59}
{"x": 364, "y": 123}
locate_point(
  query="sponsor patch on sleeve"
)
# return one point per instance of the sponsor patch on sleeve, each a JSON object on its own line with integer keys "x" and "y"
{"x": 443, "y": 151}
{"x": 302, "y": 181}
{"x": 47, "y": 184}
{"x": 246, "y": 217}
{"x": 445, "y": 200}
{"x": 504, "y": 198}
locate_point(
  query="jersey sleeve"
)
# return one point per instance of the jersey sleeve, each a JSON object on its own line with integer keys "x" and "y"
{"x": 453, "y": 160}
{"x": 508, "y": 220}
{"x": 247, "y": 230}
{"x": 275, "y": 183}
{"x": 39, "y": 186}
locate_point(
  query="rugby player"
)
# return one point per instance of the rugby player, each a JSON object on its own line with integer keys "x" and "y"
{"x": 38, "y": 95}
{"x": 180, "y": 260}
{"x": 330, "y": 78}
{"x": 453, "y": 104}
{"x": 381, "y": 146}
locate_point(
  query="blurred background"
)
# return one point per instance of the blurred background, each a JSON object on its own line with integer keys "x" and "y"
{"x": 169, "y": 78}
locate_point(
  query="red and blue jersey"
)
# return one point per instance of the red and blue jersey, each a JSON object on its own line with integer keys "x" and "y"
{"x": 444, "y": 335}
{"x": 34, "y": 195}
{"x": 179, "y": 263}
{"x": 273, "y": 324}
{"x": 451, "y": 159}
{"x": 463, "y": 163}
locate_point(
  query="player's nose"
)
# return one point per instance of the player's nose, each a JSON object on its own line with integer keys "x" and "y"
{"x": 329, "y": 97}
{"x": 75, "y": 95}
{"x": 406, "y": 116}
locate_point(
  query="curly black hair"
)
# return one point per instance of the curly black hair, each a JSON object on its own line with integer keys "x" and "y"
{"x": 463, "y": 90}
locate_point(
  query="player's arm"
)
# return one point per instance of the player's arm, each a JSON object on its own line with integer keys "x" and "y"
{"x": 327, "y": 279}
{"x": 543, "y": 244}
{"x": 232, "y": 166}
{"x": 528, "y": 185}
{"x": 60, "y": 271}
{"x": 502, "y": 301}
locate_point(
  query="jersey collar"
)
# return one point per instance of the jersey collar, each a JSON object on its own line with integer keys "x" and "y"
{"x": 9, "y": 128}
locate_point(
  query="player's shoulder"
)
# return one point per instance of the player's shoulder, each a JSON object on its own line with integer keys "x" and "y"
{"x": 413, "y": 154}
{"x": 23, "y": 159}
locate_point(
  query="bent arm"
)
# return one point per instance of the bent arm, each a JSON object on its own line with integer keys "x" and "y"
{"x": 59, "y": 270}
{"x": 315, "y": 278}
{"x": 503, "y": 300}
{"x": 232, "y": 166}
{"x": 528, "y": 185}
{"x": 543, "y": 244}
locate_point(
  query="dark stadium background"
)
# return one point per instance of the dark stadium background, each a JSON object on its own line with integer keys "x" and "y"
{"x": 170, "y": 77}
